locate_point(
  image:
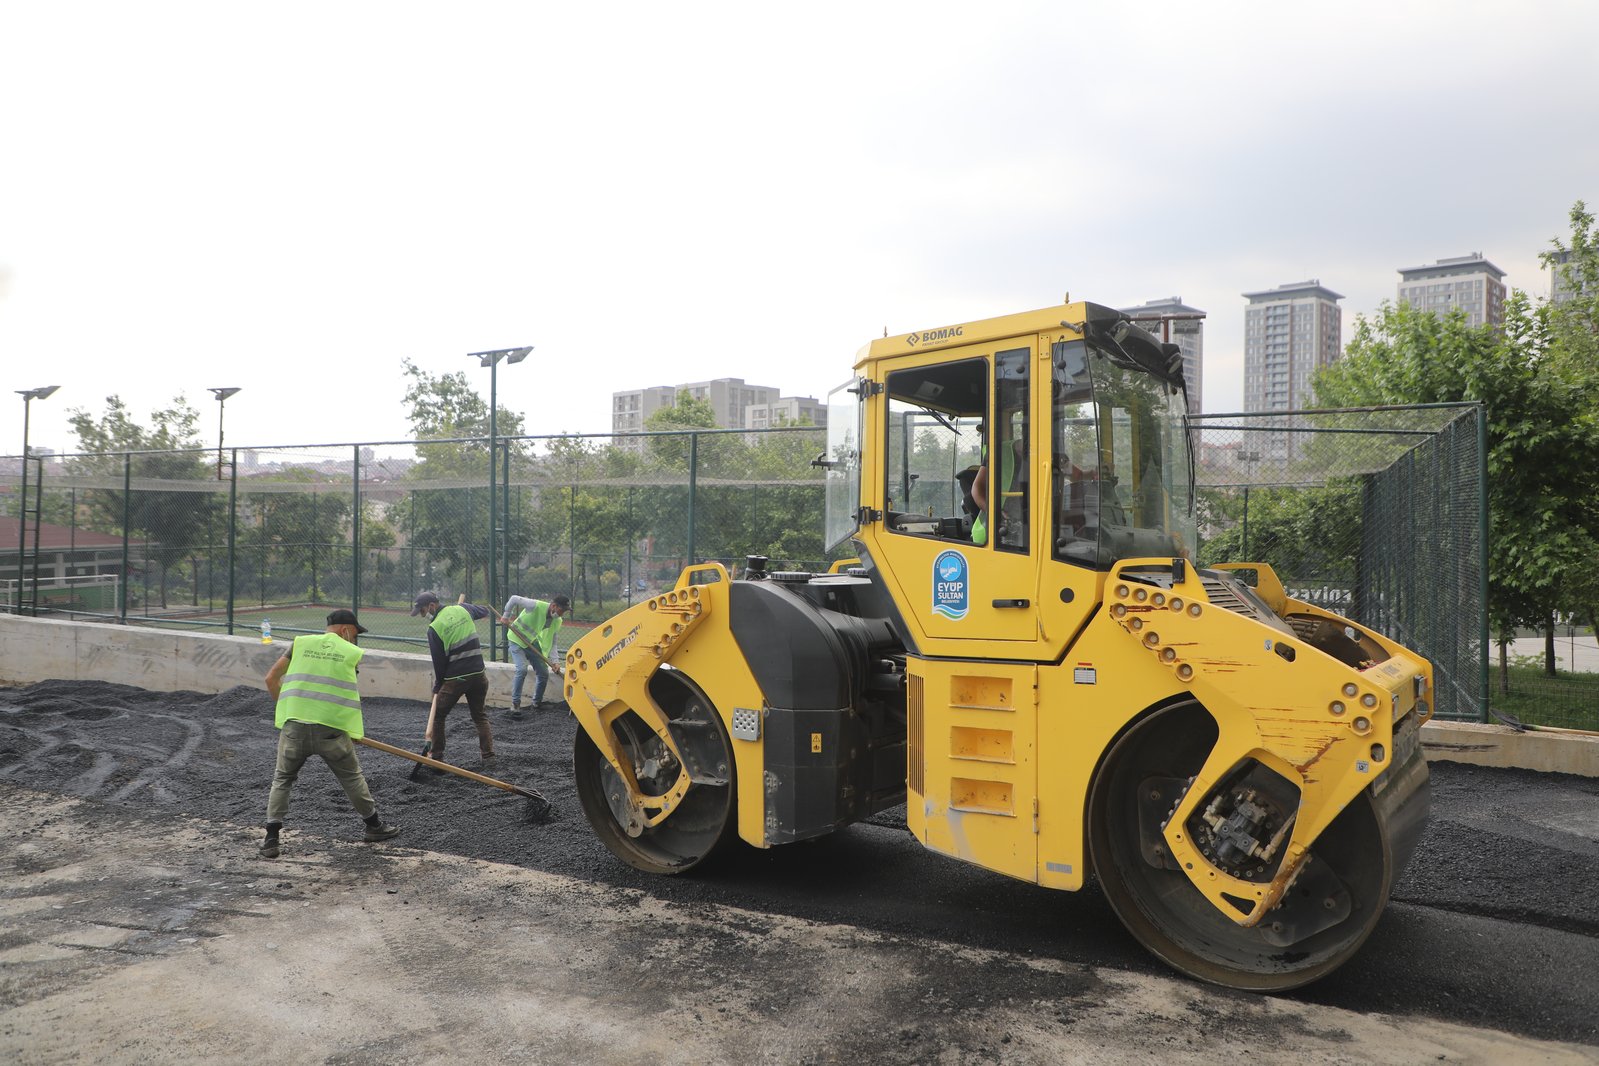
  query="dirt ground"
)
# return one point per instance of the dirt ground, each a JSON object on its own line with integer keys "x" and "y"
{"x": 137, "y": 924}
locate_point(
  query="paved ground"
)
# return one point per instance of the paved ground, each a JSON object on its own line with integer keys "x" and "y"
{"x": 139, "y": 925}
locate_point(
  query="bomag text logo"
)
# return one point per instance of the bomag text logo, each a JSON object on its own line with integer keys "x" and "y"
{"x": 933, "y": 336}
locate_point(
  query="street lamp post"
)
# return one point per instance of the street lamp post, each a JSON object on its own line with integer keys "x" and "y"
{"x": 492, "y": 361}
{"x": 28, "y": 396}
{"x": 222, "y": 405}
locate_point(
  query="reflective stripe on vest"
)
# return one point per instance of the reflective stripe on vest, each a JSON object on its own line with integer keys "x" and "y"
{"x": 458, "y": 633}
{"x": 320, "y": 686}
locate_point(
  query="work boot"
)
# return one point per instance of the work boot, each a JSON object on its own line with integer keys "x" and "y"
{"x": 488, "y": 756}
{"x": 269, "y": 846}
{"x": 516, "y": 708}
{"x": 381, "y": 831}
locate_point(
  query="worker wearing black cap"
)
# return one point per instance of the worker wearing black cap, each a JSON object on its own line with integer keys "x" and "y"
{"x": 458, "y": 668}
{"x": 318, "y": 712}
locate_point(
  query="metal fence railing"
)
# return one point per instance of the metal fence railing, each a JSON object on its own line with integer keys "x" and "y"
{"x": 1377, "y": 514}
{"x": 288, "y": 531}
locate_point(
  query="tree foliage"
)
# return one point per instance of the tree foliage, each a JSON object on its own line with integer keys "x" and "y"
{"x": 1538, "y": 378}
{"x": 173, "y": 522}
{"x": 452, "y": 522}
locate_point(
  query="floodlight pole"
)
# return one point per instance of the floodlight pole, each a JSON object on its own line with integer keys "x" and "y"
{"x": 28, "y": 396}
{"x": 222, "y": 406}
{"x": 492, "y": 361}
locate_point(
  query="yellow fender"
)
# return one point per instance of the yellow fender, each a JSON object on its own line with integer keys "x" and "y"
{"x": 1319, "y": 723}
{"x": 608, "y": 677}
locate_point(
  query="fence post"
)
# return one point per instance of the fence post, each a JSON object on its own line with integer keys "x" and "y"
{"x": 315, "y": 531}
{"x": 501, "y": 648}
{"x": 355, "y": 529}
{"x": 1482, "y": 557}
{"x": 127, "y": 501}
{"x": 233, "y": 530}
{"x": 491, "y": 565}
{"x": 1245, "y": 551}
{"x": 693, "y": 489}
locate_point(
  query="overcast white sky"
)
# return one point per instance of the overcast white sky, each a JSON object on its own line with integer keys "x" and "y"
{"x": 292, "y": 198}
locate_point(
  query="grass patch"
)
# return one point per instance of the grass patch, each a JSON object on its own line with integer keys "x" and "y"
{"x": 1570, "y": 701}
{"x": 388, "y": 628}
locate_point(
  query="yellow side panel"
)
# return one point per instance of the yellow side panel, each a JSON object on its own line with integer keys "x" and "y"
{"x": 973, "y": 755}
{"x": 1083, "y": 704}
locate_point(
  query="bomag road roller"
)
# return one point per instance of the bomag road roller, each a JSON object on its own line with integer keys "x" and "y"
{"x": 1022, "y": 650}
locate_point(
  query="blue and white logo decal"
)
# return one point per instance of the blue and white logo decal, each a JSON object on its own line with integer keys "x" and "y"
{"x": 951, "y": 589}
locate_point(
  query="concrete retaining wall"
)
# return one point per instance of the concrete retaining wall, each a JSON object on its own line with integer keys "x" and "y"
{"x": 164, "y": 660}
{"x": 1498, "y": 745}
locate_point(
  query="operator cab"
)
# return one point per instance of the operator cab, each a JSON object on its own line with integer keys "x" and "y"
{"x": 1015, "y": 461}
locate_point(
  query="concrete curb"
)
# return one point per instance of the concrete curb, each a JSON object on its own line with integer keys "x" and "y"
{"x": 1499, "y": 745}
{"x": 166, "y": 660}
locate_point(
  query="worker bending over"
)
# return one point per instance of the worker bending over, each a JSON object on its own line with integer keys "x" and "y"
{"x": 458, "y": 668}
{"x": 532, "y": 632}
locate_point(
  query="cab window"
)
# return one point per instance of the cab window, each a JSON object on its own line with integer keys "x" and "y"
{"x": 1011, "y": 447}
{"x": 934, "y": 448}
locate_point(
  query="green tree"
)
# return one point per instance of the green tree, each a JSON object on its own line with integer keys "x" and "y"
{"x": 451, "y": 520}
{"x": 1292, "y": 530}
{"x": 159, "y": 457}
{"x": 306, "y": 532}
{"x": 1542, "y": 433}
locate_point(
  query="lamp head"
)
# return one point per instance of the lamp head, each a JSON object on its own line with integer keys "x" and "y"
{"x": 222, "y": 394}
{"x": 510, "y": 355}
{"x": 36, "y": 394}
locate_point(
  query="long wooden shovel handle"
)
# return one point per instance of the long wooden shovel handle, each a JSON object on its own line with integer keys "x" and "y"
{"x": 437, "y": 765}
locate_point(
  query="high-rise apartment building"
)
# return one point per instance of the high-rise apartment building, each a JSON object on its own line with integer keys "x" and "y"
{"x": 729, "y": 398}
{"x": 1174, "y": 321}
{"x": 1468, "y": 282}
{"x": 630, "y": 409}
{"x": 1290, "y": 332}
{"x": 790, "y": 410}
{"x": 1561, "y": 289}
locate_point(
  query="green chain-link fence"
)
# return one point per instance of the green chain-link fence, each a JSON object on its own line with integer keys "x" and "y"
{"x": 285, "y": 533}
{"x": 1375, "y": 514}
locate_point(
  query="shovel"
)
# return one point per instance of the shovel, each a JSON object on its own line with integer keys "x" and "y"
{"x": 539, "y": 807}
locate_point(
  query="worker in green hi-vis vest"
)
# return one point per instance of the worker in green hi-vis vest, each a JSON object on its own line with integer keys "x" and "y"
{"x": 458, "y": 668}
{"x": 318, "y": 712}
{"x": 531, "y": 632}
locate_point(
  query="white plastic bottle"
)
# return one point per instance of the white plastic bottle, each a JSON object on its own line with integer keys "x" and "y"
{"x": 266, "y": 631}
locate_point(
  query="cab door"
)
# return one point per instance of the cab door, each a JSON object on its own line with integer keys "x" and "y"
{"x": 960, "y": 573}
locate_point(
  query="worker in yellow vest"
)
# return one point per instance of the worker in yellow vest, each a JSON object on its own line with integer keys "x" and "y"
{"x": 318, "y": 711}
{"x": 458, "y": 668}
{"x": 531, "y": 632}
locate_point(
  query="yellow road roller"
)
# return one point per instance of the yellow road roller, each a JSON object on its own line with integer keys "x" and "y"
{"x": 1022, "y": 650}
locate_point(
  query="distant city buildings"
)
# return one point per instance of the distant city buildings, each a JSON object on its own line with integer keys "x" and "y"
{"x": 735, "y": 403}
{"x": 1172, "y": 320}
{"x": 1468, "y": 282}
{"x": 1561, "y": 289}
{"x": 630, "y": 409}
{"x": 789, "y": 410}
{"x": 1290, "y": 332}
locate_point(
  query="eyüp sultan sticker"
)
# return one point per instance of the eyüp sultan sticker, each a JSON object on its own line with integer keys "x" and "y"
{"x": 951, "y": 585}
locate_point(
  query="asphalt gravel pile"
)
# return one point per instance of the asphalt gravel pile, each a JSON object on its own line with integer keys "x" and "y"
{"x": 1493, "y": 846}
{"x": 212, "y": 756}
{"x": 1501, "y": 846}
